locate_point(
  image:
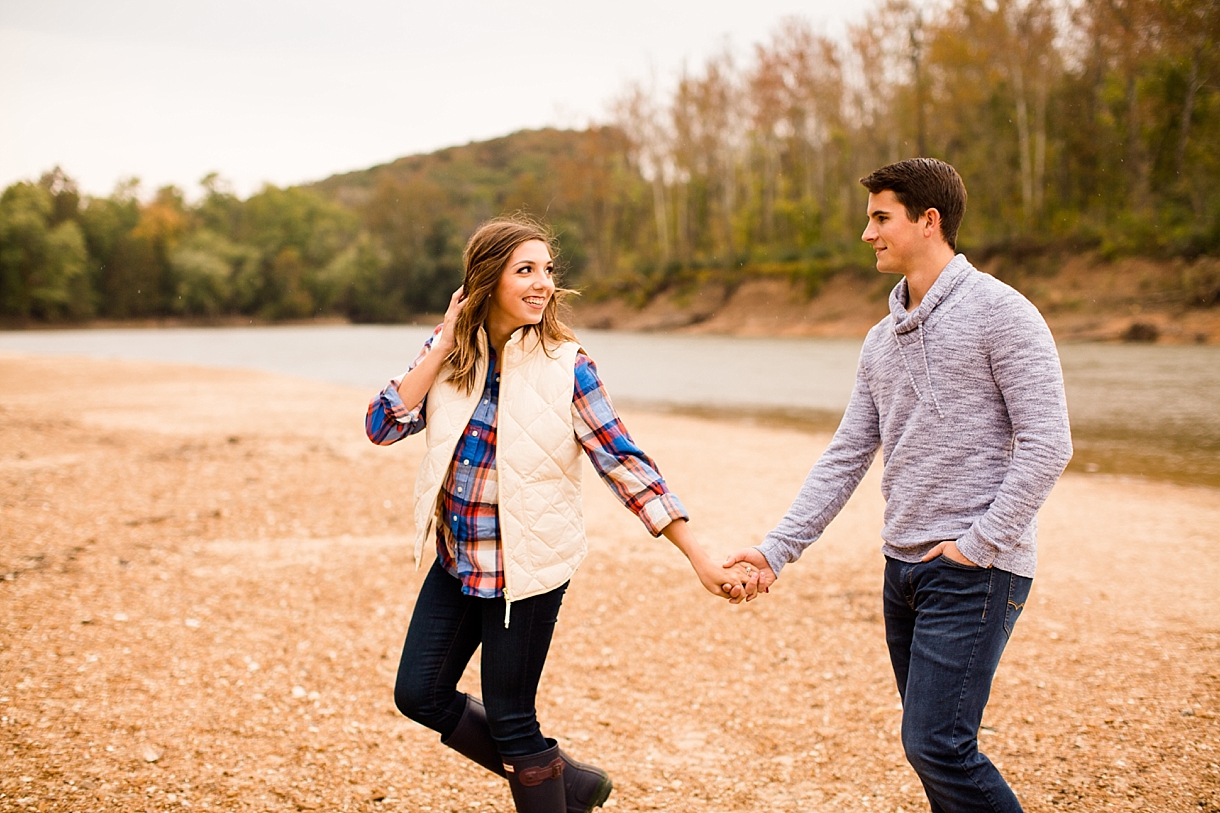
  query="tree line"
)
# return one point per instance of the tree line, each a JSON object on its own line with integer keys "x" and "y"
{"x": 1090, "y": 125}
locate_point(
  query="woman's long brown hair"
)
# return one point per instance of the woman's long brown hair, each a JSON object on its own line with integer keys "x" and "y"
{"x": 487, "y": 253}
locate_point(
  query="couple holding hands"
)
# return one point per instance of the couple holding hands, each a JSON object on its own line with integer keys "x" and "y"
{"x": 959, "y": 387}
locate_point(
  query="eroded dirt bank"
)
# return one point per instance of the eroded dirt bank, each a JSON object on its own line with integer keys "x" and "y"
{"x": 1081, "y": 297}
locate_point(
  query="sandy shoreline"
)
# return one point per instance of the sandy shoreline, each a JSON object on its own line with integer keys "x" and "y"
{"x": 207, "y": 581}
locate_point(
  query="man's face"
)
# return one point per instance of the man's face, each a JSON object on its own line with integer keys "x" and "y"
{"x": 896, "y": 241}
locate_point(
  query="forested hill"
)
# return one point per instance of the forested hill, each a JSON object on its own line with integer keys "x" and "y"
{"x": 421, "y": 208}
{"x": 483, "y": 173}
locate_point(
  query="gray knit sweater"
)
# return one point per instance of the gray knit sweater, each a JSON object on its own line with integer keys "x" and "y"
{"x": 964, "y": 397}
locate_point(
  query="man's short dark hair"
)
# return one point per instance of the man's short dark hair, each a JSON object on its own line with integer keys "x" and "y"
{"x": 921, "y": 184}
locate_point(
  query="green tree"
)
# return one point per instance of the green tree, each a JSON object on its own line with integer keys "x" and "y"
{"x": 41, "y": 263}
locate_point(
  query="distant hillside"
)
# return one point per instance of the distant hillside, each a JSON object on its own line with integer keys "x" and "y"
{"x": 482, "y": 171}
{"x": 420, "y": 209}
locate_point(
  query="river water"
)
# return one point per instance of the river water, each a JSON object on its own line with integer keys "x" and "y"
{"x": 1145, "y": 410}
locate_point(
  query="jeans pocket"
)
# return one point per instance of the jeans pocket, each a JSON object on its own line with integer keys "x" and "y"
{"x": 1018, "y": 592}
{"x": 945, "y": 560}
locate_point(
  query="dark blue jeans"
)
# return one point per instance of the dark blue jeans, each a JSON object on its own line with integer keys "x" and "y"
{"x": 445, "y": 630}
{"x": 946, "y": 625}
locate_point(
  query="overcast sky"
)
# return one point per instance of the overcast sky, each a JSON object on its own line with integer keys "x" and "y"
{"x": 286, "y": 91}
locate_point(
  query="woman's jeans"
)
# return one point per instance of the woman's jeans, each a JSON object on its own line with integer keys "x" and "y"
{"x": 445, "y": 630}
{"x": 946, "y": 625}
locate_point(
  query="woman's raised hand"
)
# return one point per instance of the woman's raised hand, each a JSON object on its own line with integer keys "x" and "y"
{"x": 447, "y": 339}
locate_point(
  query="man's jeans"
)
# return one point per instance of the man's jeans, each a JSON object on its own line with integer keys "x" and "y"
{"x": 946, "y": 625}
{"x": 446, "y": 628}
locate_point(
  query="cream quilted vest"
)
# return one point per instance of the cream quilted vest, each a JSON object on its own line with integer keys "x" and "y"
{"x": 538, "y": 463}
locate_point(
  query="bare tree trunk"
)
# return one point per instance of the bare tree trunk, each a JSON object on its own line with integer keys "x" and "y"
{"x": 805, "y": 139}
{"x": 728, "y": 201}
{"x": 682, "y": 216}
{"x": 1039, "y": 179}
{"x": 769, "y": 183}
{"x": 1135, "y": 153}
{"x": 1188, "y": 109}
{"x": 662, "y": 219}
{"x": 921, "y": 126}
{"x": 820, "y": 164}
{"x": 1023, "y": 137}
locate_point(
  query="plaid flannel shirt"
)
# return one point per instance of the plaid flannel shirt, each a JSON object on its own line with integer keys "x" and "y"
{"x": 468, "y": 526}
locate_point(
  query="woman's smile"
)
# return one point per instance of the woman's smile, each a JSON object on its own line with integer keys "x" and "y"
{"x": 524, "y": 290}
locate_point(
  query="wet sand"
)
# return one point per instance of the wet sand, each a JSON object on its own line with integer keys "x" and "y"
{"x": 207, "y": 579}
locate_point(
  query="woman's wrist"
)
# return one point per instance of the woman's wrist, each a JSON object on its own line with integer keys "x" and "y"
{"x": 678, "y": 532}
{"x": 442, "y": 345}
{"x": 698, "y": 557}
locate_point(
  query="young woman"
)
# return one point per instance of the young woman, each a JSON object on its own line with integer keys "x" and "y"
{"x": 508, "y": 400}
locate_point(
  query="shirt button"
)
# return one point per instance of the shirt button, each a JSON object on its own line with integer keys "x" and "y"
{"x": 465, "y": 462}
{"x": 455, "y": 517}
{"x": 486, "y": 401}
{"x": 474, "y": 433}
{"x": 459, "y": 489}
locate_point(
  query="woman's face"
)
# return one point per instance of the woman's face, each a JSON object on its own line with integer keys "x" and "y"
{"x": 525, "y": 287}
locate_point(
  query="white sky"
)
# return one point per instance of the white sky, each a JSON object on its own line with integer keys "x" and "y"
{"x": 286, "y": 91}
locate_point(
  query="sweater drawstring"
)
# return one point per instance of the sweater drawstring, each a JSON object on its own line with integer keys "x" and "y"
{"x": 923, "y": 348}
{"x": 907, "y": 366}
{"x": 508, "y": 611}
{"x": 911, "y": 373}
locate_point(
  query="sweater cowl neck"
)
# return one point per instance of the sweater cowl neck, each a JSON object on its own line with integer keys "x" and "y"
{"x": 950, "y": 277}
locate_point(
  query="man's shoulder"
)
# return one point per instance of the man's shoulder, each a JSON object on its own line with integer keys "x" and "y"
{"x": 996, "y": 292}
{"x": 998, "y": 308}
{"x": 878, "y": 331}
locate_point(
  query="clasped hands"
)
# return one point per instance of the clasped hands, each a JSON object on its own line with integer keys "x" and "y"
{"x": 740, "y": 578}
{"x": 744, "y": 575}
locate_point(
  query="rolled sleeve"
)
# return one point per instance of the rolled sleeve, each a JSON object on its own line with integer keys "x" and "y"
{"x": 397, "y": 409}
{"x": 388, "y": 420}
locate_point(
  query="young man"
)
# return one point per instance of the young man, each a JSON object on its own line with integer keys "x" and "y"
{"x": 960, "y": 387}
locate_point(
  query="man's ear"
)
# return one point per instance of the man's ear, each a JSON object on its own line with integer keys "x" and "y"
{"x": 931, "y": 222}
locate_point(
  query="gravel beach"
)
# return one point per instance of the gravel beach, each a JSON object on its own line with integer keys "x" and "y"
{"x": 206, "y": 579}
